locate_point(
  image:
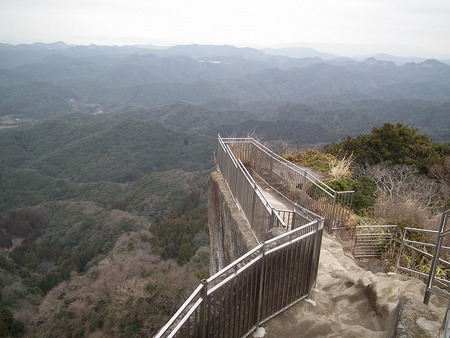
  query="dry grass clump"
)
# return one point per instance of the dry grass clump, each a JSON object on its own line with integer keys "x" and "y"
{"x": 313, "y": 159}
{"x": 325, "y": 163}
{"x": 341, "y": 167}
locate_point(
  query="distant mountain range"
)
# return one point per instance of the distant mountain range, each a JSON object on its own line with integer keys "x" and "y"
{"x": 38, "y": 50}
{"x": 43, "y": 80}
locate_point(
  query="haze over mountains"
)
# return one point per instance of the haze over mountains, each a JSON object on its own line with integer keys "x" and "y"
{"x": 43, "y": 80}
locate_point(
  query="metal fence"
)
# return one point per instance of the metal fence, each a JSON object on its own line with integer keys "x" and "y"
{"x": 261, "y": 216}
{"x": 268, "y": 279}
{"x": 438, "y": 263}
{"x": 416, "y": 254}
{"x": 293, "y": 182}
{"x": 434, "y": 270}
{"x": 371, "y": 240}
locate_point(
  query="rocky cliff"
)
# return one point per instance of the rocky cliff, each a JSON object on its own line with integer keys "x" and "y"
{"x": 230, "y": 233}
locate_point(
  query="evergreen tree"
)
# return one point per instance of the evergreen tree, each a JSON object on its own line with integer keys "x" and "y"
{"x": 392, "y": 144}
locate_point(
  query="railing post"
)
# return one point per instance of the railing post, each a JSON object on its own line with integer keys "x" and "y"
{"x": 261, "y": 285}
{"x": 235, "y": 181}
{"x": 435, "y": 260}
{"x": 303, "y": 188}
{"x": 312, "y": 275}
{"x": 294, "y": 213}
{"x": 397, "y": 264}
{"x": 253, "y": 206}
{"x": 333, "y": 212}
{"x": 204, "y": 308}
{"x": 272, "y": 219}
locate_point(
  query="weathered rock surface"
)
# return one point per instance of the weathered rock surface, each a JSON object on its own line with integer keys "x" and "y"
{"x": 352, "y": 302}
{"x": 230, "y": 233}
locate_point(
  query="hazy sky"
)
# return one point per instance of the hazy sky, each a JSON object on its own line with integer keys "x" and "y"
{"x": 401, "y": 27}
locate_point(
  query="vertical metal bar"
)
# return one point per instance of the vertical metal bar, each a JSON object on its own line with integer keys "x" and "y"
{"x": 253, "y": 294}
{"x": 333, "y": 212}
{"x": 435, "y": 260}
{"x": 298, "y": 266}
{"x": 272, "y": 220}
{"x": 253, "y": 206}
{"x": 240, "y": 301}
{"x": 204, "y": 308}
{"x": 316, "y": 255}
{"x": 310, "y": 265}
{"x": 235, "y": 176}
{"x": 397, "y": 265}
{"x": 286, "y": 270}
{"x": 260, "y": 294}
{"x": 246, "y": 297}
{"x": 248, "y": 306}
{"x": 294, "y": 217}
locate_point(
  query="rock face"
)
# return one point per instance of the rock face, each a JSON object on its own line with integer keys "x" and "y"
{"x": 352, "y": 302}
{"x": 230, "y": 233}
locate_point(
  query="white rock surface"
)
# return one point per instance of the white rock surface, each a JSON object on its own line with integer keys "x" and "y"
{"x": 353, "y": 302}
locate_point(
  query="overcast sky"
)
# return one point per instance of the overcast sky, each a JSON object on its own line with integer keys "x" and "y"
{"x": 400, "y": 27}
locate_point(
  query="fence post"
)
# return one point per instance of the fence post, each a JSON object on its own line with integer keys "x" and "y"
{"x": 400, "y": 250}
{"x": 435, "y": 260}
{"x": 303, "y": 188}
{"x": 204, "y": 308}
{"x": 272, "y": 219}
{"x": 261, "y": 285}
{"x": 333, "y": 212}
{"x": 294, "y": 213}
{"x": 253, "y": 206}
{"x": 312, "y": 275}
{"x": 235, "y": 176}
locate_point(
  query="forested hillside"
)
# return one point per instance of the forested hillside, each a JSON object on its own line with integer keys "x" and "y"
{"x": 105, "y": 153}
{"x": 74, "y": 186}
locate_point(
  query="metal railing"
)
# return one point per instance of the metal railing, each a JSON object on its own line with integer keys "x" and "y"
{"x": 268, "y": 279}
{"x": 438, "y": 251}
{"x": 262, "y": 283}
{"x": 261, "y": 216}
{"x": 293, "y": 182}
{"x": 431, "y": 287}
{"x": 371, "y": 240}
{"x": 415, "y": 256}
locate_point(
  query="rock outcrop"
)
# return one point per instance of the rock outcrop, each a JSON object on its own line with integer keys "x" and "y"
{"x": 350, "y": 301}
{"x": 230, "y": 233}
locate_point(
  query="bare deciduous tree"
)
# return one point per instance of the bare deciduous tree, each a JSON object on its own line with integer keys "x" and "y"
{"x": 404, "y": 182}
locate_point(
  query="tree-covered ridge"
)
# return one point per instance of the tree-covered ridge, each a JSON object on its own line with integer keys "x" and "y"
{"x": 117, "y": 150}
{"x": 393, "y": 167}
{"x": 393, "y": 144}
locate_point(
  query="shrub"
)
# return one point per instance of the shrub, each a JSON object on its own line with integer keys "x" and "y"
{"x": 364, "y": 188}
